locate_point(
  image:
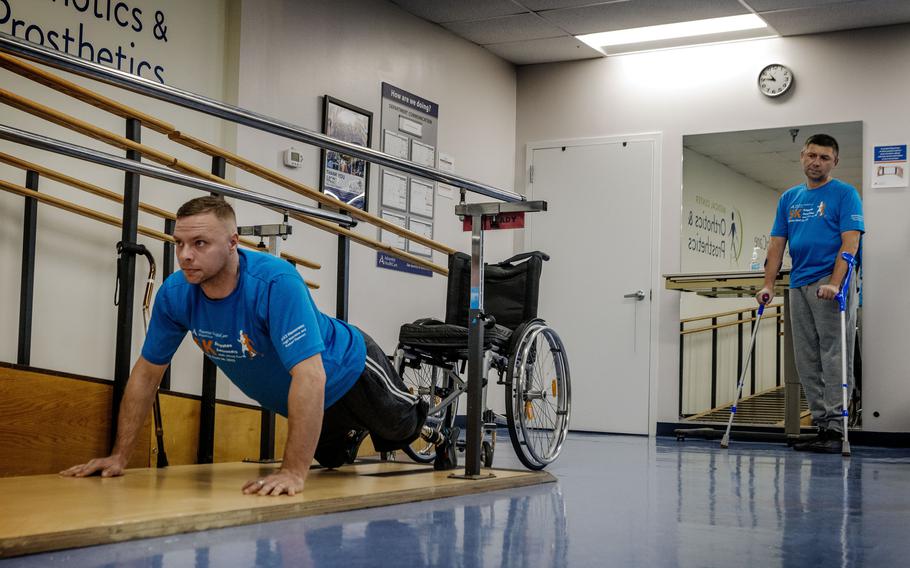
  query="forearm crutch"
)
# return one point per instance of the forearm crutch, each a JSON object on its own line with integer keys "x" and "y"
{"x": 842, "y": 299}
{"x": 725, "y": 441}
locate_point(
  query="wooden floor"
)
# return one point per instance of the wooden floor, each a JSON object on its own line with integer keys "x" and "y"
{"x": 47, "y": 512}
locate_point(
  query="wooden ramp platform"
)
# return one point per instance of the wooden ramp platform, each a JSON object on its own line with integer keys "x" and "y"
{"x": 47, "y": 512}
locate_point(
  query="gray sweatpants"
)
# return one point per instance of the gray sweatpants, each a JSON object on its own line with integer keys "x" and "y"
{"x": 817, "y": 350}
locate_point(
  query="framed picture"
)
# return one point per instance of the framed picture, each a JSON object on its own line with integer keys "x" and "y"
{"x": 345, "y": 177}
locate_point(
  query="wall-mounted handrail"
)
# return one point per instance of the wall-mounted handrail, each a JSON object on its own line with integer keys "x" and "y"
{"x": 109, "y": 105}
{"x": 297, "y": 187}
{"x": 88, "y": 129}
{"x": 239, "y": 115}
{"x": 95, "y": 156}
{"x": 778, "y": 315}
{"x": 724, "y": 314}
{"x": 113, "y": 196}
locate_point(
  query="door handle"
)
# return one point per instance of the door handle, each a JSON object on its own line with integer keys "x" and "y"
{"x": 638, "y": 295}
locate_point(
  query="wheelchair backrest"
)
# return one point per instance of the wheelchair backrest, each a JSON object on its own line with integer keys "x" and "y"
{"x": 510, "y": 289}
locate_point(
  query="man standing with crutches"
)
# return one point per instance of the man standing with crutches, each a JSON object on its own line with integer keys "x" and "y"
{"x": 821, "y": 219}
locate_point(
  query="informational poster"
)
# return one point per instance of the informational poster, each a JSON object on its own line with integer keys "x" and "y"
{"x": 394, "y": 190}
{"x": 345, "y": 177}
{"x": 421, "y": 228}
{"x": 389, "y": 237}
{"x": 421, "y": 199}
{"x": 409, "y": 129}
{"x": 890, "y": 166}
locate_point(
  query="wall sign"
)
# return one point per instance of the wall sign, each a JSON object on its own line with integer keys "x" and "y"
{"x": 409, "y": 132}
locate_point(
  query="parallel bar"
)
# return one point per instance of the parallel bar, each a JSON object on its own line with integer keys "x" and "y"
{"x": 212, "y": 107}
{"x": 157, "y": 172}
{"x": 27, "y": 287}
{"x": 126, "y": 273}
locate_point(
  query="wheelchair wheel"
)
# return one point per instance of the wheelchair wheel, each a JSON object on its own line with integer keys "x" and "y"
{"x": 538, "y": 394}
{"x": 432, "y": 384}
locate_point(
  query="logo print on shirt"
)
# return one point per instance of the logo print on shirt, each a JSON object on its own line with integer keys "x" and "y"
{"x": 805, "y": 212}
{"x": 246, "y": 346}
{"x": 205, "y": 345}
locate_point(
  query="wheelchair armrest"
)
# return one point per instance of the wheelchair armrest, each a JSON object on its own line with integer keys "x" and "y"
{"x": 521, "y": 256}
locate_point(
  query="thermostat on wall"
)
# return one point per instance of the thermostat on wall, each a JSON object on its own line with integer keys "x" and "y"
{"x": 293, "y": 158}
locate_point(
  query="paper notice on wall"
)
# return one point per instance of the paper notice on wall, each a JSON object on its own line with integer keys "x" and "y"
{"x": 446, "y": 164}
{"x": 890, "y": 166}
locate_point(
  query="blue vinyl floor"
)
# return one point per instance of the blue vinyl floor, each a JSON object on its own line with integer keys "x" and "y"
{"x": 620, "y": 501}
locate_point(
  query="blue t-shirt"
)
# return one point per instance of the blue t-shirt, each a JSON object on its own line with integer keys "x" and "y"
{"x": 812, "y": 220}
{"x": 259, "y": 332}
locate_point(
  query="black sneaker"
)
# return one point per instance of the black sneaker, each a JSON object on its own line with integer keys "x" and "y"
{"x": 447, "y": 452}
{"x": 833, "y": 443}
{"x": 355, "y": 438}
{"x": 804, "y": 446}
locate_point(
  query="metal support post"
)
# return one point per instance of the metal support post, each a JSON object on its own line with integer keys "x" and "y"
{"x": 205, "y": 452}
{"x": 343, "y": 278}
{"x": 126, "y": 273}
{"x": 275, "y": 233}
{"x": 168, "y": 269}
{"x": 27, "y": 287}
{"x": 480, "y": 213}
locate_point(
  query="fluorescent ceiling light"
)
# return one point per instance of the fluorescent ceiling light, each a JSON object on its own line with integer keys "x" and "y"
{"x": 731, "y": 28}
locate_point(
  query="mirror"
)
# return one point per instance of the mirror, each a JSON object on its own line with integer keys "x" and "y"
{"x": 731, "y": 185}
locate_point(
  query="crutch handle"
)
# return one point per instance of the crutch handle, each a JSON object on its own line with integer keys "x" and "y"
{"x": 841, "y": 296}
{"x": 761, "y": 306}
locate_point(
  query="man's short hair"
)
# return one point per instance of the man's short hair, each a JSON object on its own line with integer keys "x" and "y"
{"x": 208, "y": 204}
{"x": 823, "y": 140}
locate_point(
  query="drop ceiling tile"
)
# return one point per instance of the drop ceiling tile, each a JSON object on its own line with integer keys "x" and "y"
{"x": 543, "y": 50}
{"x": 843, "y": 16}
{"x": 558, "y": 4}
{"x": 504, "y": 29}
{"x": 768, "y": 5}
{"x": 442, "y": 11}
{"x": 640, "y": 13}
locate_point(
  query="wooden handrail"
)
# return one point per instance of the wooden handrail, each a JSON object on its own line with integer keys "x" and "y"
{"x": 297, "y": 187}
{"x": 92, "y": 214}
{"x": 108, "y": 194}
{"x": 172, "y": 162}
{"x": 86, "y": 95}
{"x": 728, "y": 324}
{"x": 731, "y": 313}
{"x": 79, "y": 92}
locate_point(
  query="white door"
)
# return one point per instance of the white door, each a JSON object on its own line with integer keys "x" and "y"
{"x": 597, "y": 232}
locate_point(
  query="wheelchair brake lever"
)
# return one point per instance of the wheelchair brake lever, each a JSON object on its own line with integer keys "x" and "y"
{"x": 489, "y": 321}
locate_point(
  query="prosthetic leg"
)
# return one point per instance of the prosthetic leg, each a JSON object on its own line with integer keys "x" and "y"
{"x": 446, "y": 450}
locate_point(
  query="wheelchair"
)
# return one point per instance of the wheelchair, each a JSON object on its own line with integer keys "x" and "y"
{"x": 521, "y": 352}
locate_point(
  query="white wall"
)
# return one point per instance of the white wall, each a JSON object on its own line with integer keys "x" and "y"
{"x": 74, "y": 316}
{"x": 712, "y": 89}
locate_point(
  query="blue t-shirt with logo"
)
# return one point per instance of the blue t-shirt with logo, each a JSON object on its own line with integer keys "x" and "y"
{"x": 812, "y": 221}
{"x": 267, "y": 325}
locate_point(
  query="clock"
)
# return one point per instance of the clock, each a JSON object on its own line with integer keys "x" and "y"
{"x": 775, "y": 80}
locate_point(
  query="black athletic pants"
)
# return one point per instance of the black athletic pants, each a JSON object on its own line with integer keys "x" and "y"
{"x": 379, "y": 403}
